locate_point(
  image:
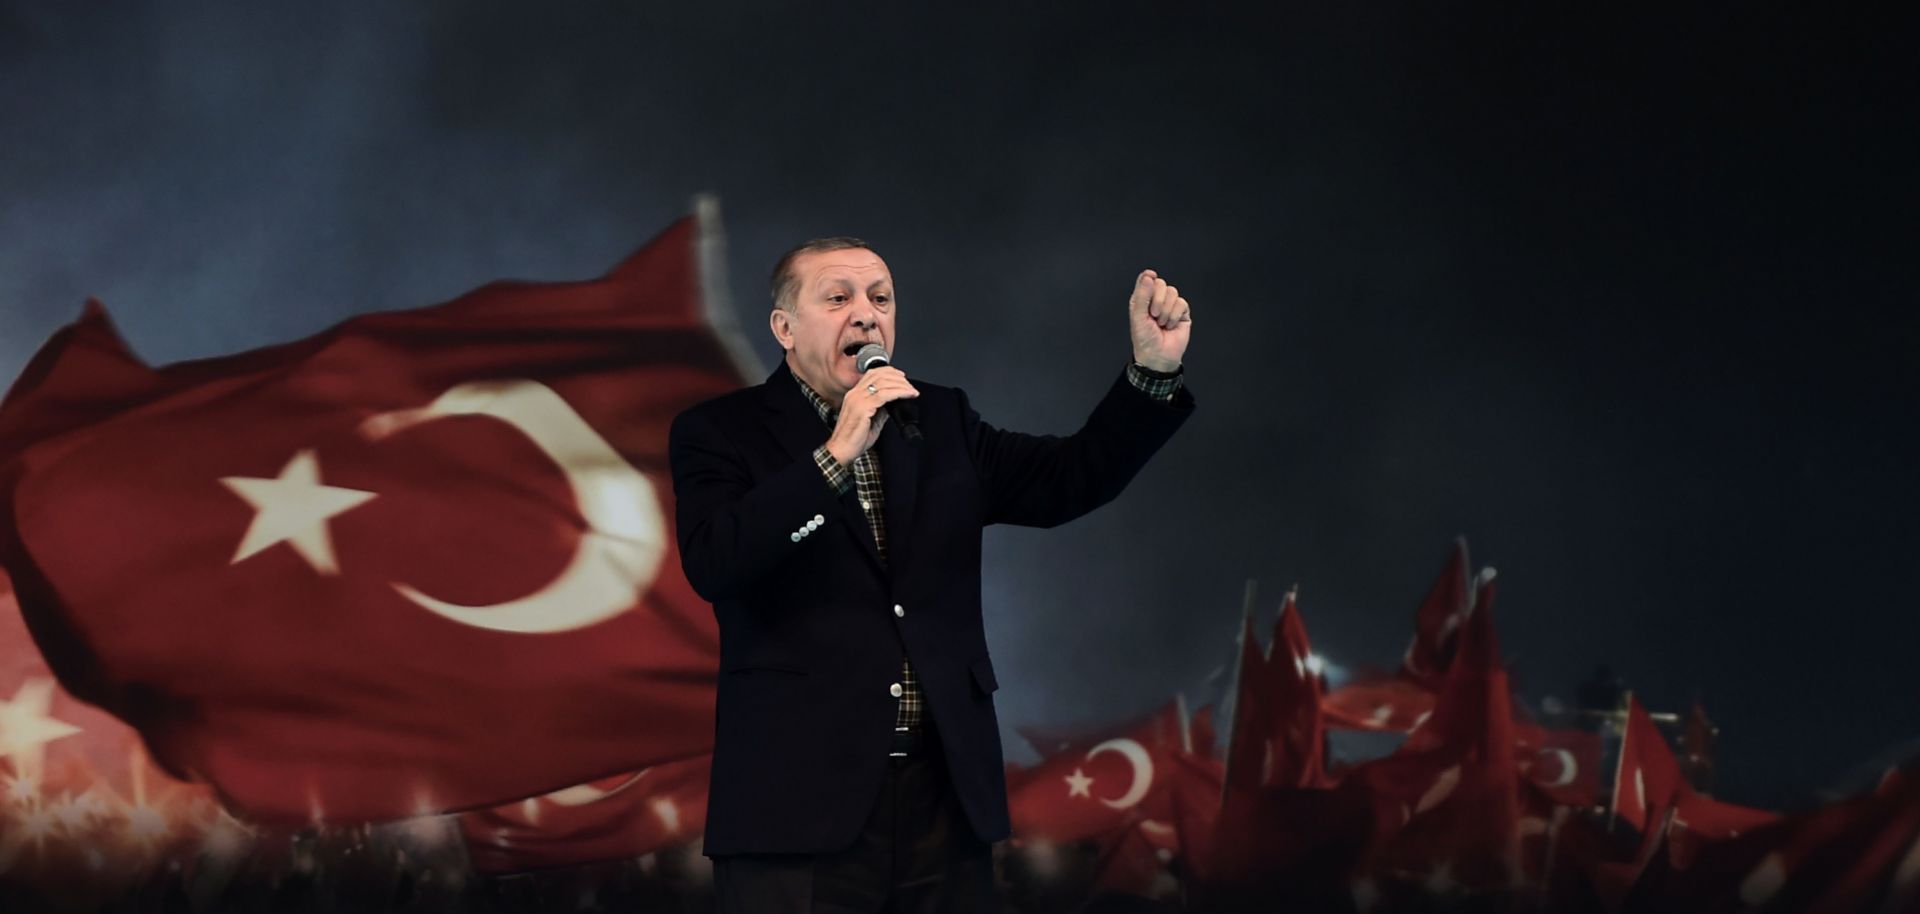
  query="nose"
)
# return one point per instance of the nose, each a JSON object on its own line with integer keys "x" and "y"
{"x": 864, "y": 317}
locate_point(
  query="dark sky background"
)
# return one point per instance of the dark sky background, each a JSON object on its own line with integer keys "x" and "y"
{"x": 1625, "y": 297}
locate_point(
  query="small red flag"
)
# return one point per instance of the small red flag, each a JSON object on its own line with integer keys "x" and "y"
{"x": 1563, "y": 764}
{"x": 1447, "y": 802}
{"x": 1278, "y": 738}
{"x": 1098, "y": 786}
{"x": 1378, "y": 702}
{"x": 1438, "y": 620}
{"x": 1647, "y": 781}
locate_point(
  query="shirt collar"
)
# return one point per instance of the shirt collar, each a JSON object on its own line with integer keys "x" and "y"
{"x": 820, "y": 405}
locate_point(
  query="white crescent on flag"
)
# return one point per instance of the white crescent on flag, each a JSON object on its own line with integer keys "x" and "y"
{"x": 619, "y": 554}
{"x": 1142, "y": 763}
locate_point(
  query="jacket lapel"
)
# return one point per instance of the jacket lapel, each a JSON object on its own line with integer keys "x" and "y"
{"x": 796, "y": 425}
{"x": 900, "y": 474}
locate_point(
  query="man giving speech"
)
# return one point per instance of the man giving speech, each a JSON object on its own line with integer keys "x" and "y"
{"x": 856, "y": 762}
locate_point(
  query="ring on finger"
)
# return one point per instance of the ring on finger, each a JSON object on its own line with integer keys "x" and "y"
{"x": 872, "y": 389}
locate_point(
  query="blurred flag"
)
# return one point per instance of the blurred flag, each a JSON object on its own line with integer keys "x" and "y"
{"x": 1563, "y": 764}
{"x": 1647, "y": 781}
{"x": 1447, "y": 802}
{"x": 1698, "y": 741}
{"x": 1398, "y": 702}
{"x": 1854, "y": 855}
{"x": 612, "y": 818}
{"x": 1438, "y": 620}
{"x": 79, "y": 799}
{"x": 1098, "y": 785}
{"x": 1377, "y": 702}
{"x": 1138, "y": 861}
{"x": 1277, "y": 737}
{"x": 1194, "y": 786}
{"x": 418, "y": 562}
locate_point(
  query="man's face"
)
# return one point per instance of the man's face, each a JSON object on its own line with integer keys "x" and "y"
{"x": 845, "y": 300}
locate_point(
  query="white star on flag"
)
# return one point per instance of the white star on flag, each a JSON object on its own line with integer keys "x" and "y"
{"x": 294, "y": 509}
{"x": 25, "y": 728}
{"x": 1078, "y": 784}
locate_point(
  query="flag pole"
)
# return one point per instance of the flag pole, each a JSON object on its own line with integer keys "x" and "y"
{"x": 1620, "y": 762}
{"x": 1233, "y": 690}
{"x": 710, "y": 251}
{"x": 1186, "y": 722}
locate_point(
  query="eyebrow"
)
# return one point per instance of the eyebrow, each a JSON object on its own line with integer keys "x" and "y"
{"x": 841, "y": 282}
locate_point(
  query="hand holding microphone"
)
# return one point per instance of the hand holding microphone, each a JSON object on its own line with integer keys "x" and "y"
{"x": 882, "y": 392}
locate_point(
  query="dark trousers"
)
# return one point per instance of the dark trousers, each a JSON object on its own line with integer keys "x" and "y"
{"x": 915, "y": 854}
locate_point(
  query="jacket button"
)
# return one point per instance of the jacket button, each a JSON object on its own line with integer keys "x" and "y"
{"x": 895, "y": 690}
{"x": 794, "y": 536}
{"x": 813, "y": 524}
{"x": 899, "y": 612}
{"x": 819, "y": 518}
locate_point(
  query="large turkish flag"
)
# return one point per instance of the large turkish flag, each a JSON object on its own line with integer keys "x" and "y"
{"x": 418, "y": 562}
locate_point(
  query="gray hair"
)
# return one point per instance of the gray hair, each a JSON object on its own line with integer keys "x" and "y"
{"x": 786, "y": 286}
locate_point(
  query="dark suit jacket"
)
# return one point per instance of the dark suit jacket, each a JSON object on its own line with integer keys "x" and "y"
{"x": 811, "y": 631}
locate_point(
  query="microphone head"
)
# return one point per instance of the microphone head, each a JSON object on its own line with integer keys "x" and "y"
{"x": 871, "y": 356}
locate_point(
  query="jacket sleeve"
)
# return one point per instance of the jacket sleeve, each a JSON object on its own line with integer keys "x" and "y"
{"x": 732, "y": 530}
{"x": 1046, "y": 480}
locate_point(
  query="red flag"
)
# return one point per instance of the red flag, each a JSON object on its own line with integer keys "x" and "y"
{"x": 421, "y": 561}
{"x": 1447, "y": 804}
{"x": 1699, "y": 819}
{"x": 1884, "y": 863}
{"x": 1585, "y": 867}
{"x": 1378, "y": 702}
{"x": 1277, "y": 737}
{"x": 1137, "y": 862}
{"x": 1714, "y": 820}
{"x": 1438, "y": 619}
{"x": 1399, "y": 702}
{"x": 1249, "y": 740}
{"x": 1852, "y": 855}
{"x": 1647, "y": 781}
{"x": 1194, "y": 788}
{"x": 622, "y": 816}
{"x": 81, "y": 808}
{"x": 1298, "y": 720}
{"x": 1098, "y": 786}
{"x": 1160, "y": 730}
{"x": 1563, "y": 764}
{"x": 1287, "y": 848}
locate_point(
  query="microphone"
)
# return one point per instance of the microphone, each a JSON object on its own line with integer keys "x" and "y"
{"x": 903, "y": 412}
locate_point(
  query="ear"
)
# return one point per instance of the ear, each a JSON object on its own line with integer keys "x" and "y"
{"x": 777, "y": 321}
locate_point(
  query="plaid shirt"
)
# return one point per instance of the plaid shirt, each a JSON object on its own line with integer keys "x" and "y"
{"x": 865, "y": 478}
